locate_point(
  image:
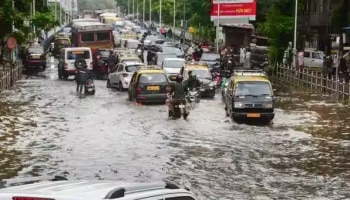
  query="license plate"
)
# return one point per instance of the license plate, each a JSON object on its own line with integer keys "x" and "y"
{"x": 153, "y": 88}
{"x": 36, "y": 57}
{"x": 253, "y": 115}
{"x": 181, "y": 106}
{"x": 90, "y": 89}
{"x": 202, "y": 89}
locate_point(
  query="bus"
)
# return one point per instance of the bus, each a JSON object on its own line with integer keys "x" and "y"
{"x": 95, "y": 35}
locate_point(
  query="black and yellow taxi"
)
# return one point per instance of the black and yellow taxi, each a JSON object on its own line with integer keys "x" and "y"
{"x": 249, "y": 95}
{"x": 202, "y": 72}
{"x": 148, "y": 85}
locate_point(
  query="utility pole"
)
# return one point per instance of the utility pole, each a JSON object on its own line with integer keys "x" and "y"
{"x": 55, "y": 14}
{"x": 133, "y": 9}
{"x": 174, "y": 14}
{"x": 34, "y": 30}
{"x": 137, "y": 10}
{"x": 143, "y": 9}
{"x": 150, "y": 12}
{"x": 295, "y": 34}
{"x": 160, "y": 14}
{"x": 128, "y": 7}
{"x": 60, "y": 12}
{"x": 184, "y": 22}
{"x": 217, "y": 28}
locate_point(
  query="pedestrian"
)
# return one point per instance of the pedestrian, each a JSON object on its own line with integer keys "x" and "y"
{"x": 170, "y": 33}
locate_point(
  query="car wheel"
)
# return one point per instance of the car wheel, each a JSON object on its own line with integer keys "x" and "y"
{"x": 60, "y": 75}
{"x": 130, "y": 97}
{"x": 65, "y": 76}
{"x": 108, "y": 83}
{"x": 120, "y": 87}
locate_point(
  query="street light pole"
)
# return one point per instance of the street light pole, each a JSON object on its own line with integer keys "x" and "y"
{"x": 160, "y": 14}
{"x": 34, "y": 14}
{"x": 295, "y": 34}
{"x": 150, "y": 12}
{"x": 217, "y": 28}
{"x": 137, "y": 10}
{"x": 133, "y": 9}
{"x": 174, "y": 14}
{"x": 143, "y": 13}
{"x": 13, "y": 21}
{"x": 128, "y": 7}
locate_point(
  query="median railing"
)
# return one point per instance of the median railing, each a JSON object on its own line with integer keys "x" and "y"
{"x": 10, "y": 74}
{"x": 316, "y": 81}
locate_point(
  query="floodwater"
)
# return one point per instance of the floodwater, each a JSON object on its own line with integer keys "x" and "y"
{"x": 46, "y": 129}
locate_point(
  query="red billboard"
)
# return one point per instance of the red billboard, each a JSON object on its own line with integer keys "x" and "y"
{"x": 233, "y": 10}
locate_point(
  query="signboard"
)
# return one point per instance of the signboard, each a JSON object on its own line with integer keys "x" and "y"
{"x": 232, "y": 1}
{"x": 233, "y": 10}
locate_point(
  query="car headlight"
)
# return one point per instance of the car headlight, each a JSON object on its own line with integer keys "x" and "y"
{"x": 268, "y": 105}
{"x": 238, "y": 105}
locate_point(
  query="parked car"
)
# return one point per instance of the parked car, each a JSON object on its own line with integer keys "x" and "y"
{"x": 59, "y": 188}
{"x": 121, "y": 74}
{"x": 34, "y": 57}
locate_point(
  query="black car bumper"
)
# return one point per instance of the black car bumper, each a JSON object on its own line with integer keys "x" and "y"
{"x": 151, "y": 98}
{"x": 208, "y": 91}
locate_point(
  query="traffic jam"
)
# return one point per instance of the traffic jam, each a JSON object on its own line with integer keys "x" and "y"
{"x": 150, "y": 68}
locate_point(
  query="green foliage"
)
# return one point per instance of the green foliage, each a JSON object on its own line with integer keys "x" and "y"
{"x": 197, "y": 13}
{"x": 45, "y": 21}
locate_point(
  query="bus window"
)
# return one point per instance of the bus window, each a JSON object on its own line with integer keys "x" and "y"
{"x": 104, "y": 36}
{"x": 87, "y": 37}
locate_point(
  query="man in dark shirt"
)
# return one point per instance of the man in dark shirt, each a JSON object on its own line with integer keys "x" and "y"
{"x": 177, "y": 92}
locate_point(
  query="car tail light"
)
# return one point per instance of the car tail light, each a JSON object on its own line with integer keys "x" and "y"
{"x": 65, "y": 65}
{"x": 125, "y": 75}
{"x": 138, "y": 90}
{"x": 30, "y": 198}
{"x": 91, "y": 65}
{"x": 98, "y": 57}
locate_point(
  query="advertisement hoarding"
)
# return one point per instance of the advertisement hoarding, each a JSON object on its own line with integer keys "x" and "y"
{"x": 238, "y": 9}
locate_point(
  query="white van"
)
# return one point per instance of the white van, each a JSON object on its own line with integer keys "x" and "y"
{"x": 313, "y": 59}
{"x": 67, "y": 59}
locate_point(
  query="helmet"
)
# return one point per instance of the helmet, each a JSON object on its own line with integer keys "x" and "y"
{"x": 179, "y": 78}
{"x": 80, "y": 63}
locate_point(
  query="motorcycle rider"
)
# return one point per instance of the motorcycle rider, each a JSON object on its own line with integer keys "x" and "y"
{"x": 141, "y": 55}
{"x": 82, "y": 74}
{"x": 177, "y": 92}
{"x": 192, "y": 82}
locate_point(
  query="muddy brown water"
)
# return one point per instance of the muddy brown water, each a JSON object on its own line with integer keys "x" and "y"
{"x": 47, "y": 129}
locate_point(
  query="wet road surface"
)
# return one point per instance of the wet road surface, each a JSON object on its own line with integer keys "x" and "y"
{"x": 47, "y": 129}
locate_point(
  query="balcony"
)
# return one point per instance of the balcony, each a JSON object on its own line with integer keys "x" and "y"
{"x": 319, "y": 19}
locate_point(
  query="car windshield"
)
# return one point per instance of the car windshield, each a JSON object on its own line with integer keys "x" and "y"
{"x": 105, "y": 53}
{"x": 153, "y": 78}
{"x": 162, "y": 56}
{"x": 172, "y": 50}
{"x": 36, "y": 50}
{"x": 72, "y": 55}
{"x": 173, "y": 63}
{"x": 200, "y": 73}
{"x": 256, "y": 88}
{"x": 131, "y": 44}
{"x": 132, "y": 68}
{"x": 64, "y": 42}
{"x": 210, "y": 57}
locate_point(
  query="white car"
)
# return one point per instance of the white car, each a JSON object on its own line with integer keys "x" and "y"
{"x": 172, "y": 66}
{"x": 120, "y": 76}
{"x": 60, "y": 189}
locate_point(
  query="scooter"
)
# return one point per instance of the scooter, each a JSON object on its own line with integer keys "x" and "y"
{"x": 193, "y": 97}
{"x": 90, "y": 87}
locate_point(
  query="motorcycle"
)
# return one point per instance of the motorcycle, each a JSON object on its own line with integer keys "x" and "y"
{"x": 193, "y": 96}
{"x": 179, "y": 109}
{"x": 217, "y": 78}
{"x": 90, "y": 87}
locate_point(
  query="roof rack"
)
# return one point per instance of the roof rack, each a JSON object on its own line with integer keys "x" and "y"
{"x": 9, "y": 182}
{"x": 122, "y": 191}
{"x": 196, "y": 63}
{"x": 151, "y": 67}
{"x": 249, "y": 73}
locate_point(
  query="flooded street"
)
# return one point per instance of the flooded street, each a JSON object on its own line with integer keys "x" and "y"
{"x": 47, "y": 129}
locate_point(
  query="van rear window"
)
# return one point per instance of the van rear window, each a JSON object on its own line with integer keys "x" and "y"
{"x": 72, "y": 55}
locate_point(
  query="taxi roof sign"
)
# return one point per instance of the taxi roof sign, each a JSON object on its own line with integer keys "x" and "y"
{"x": 249, "y": 73}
